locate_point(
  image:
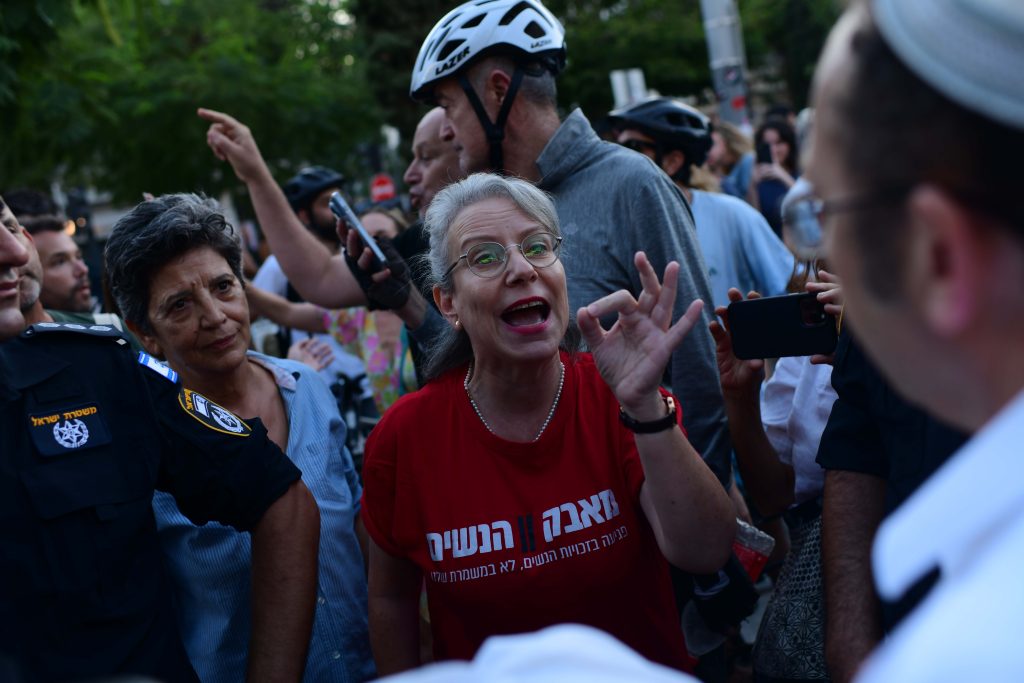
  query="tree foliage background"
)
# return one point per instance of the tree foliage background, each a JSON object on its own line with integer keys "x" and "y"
{"x": 104, "y": 92}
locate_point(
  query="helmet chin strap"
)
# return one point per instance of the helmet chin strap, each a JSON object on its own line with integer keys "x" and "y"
{"x": 494, "y": 130}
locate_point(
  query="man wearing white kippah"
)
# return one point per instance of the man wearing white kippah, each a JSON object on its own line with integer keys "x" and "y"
{"x": 916, "y": 155}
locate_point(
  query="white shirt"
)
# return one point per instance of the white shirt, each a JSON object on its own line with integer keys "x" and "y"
{"x": 968, "y": 519}
{"x": 795, "y": 406}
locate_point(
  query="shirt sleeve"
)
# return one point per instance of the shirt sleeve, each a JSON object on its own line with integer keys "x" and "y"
{"x": 769, "y": 259}
{"x": 851, "y": 440}
{"x": 378, "y": 503}
{"x": 216, "y": 474}
{"x": 777, "y": 407}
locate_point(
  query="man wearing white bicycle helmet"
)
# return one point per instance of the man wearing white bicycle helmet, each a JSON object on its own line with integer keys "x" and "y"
{"x": 491, "y": 65}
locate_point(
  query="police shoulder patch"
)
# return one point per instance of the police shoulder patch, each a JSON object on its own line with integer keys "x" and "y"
{"x": 76, "y": 427}
{"x": 213, "y": 416}
{"x": 78, "y": 328}
{"x": 156, "y": 366}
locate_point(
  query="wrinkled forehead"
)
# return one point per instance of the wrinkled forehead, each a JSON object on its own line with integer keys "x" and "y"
{"x": 429, "y": 128}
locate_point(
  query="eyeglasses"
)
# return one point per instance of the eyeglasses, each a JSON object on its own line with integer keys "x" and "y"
{"x": 803, "y": 217}
{"x": 639, "y": 145}
{"x": 488, "y": 259}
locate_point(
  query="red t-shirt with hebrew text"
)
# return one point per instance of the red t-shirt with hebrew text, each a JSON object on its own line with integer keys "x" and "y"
{"x": 514, "y": 537}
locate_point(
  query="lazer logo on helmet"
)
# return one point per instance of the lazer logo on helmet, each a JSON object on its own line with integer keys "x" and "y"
{"x": 539, "y": 43}
{"x": 452, "y": 61}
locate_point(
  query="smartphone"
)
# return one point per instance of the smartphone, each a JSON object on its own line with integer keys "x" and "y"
{"x": 341, "y": 209}
{"x": 777, "y": 326}
{"x": 764, "y": 153}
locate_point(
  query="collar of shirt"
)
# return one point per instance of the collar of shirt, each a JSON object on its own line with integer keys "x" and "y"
{"x": 566, "y": 149}
{"x": 284, "y": 379}
{"x": 956, "y": 511}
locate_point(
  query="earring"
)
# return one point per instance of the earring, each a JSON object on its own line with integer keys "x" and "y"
{"x": 456, "y": 323}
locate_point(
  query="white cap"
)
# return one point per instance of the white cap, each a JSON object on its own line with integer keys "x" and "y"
{"x": 972, "y": 51}
{"x": 567, "y": 653}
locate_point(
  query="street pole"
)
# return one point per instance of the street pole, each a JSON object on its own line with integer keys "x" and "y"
{"x": 728, "y": 60}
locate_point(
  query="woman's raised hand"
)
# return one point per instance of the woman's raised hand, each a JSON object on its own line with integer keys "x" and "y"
{"x": 632, "y": 355}
{"x": 739, "y": 377}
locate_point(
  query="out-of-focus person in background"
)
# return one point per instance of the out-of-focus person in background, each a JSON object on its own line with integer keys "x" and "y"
{"x": 775, "y": 169}
{"x": 731, "y": 157}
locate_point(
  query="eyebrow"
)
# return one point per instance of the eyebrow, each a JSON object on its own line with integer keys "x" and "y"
{"x": 535, "y": 227}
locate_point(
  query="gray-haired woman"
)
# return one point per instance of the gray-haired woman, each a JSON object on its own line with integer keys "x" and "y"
{"x": 514, "y": 483}
{"x": 175, "y": 271}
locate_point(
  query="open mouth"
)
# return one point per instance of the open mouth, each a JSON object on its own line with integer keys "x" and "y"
{"x": 526, "y": 313}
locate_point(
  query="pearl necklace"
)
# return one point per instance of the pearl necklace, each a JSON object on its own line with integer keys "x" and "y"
{"x": 547, "y": 420}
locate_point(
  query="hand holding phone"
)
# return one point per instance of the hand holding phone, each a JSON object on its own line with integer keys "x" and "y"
{"x": 778, "y": 326}
{"x": 341, "y": 209}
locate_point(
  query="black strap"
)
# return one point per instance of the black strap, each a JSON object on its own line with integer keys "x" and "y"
{"x": 494, "y": 130}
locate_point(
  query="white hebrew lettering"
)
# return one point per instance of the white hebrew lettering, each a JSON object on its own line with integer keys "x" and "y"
{"x": 591, "y": 511}
{"x": 435, "y": 544}
{"x": 611, "y": 506}
{"x": 575, "y": 525}
{"x": 485, "y": 538}
{"x": 552, "y": 523}
{"x": 464, "y": 543}
{"x": 501, "y": 528}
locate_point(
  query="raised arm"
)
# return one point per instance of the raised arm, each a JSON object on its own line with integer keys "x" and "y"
{"x": 315, "y": 273}
{"x": 689, "y": 511}
{"x": 769, "y": 481}
{"x": 297, "y": 315}
{"x": 285, "y": 543}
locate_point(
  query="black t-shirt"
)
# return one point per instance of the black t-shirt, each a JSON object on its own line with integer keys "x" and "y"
{"x": 86, "y": 434}
{"x": 872, "y": 430}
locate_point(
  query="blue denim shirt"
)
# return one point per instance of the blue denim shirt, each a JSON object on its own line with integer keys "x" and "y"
{"x": 210, "y": 565}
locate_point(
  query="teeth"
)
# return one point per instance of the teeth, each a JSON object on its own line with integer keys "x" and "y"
{"x": 521, "y": 307}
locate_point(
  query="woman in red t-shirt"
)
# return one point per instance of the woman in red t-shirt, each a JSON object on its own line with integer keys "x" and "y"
{"x": 514, "y": 484}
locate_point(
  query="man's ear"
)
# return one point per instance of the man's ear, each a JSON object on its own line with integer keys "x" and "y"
{"x": 444, "y": 303}
{"x": 948, "y": 262}
{"x": 303, "y": 215}
{"x": 148, "y": 341}
{"x": 497, "y": 84}
{"x": 672, "y": 161}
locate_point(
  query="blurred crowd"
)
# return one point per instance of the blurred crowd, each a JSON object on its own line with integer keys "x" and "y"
{"x": 651, "y": 397}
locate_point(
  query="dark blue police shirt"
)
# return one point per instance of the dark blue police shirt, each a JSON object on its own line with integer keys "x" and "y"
{"x": 86, "y": 434}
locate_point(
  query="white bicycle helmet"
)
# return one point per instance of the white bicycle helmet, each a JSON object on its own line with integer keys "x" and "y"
{"x": 517, "y": 27}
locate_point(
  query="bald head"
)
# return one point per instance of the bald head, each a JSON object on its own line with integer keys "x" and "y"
{"x": 435, "y": 163}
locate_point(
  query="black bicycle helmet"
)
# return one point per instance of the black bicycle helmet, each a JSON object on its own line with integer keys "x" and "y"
{"x": 670, "y": 123}
{"x": 310, "y": 182}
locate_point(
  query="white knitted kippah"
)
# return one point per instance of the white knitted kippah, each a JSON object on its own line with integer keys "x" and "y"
{"x": 972, "y": 51}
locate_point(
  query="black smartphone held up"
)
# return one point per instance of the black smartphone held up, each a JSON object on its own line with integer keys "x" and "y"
{"x": 764, "y": 153}
{"x": 341, "y": 209}
{"x": 777, "y": 326}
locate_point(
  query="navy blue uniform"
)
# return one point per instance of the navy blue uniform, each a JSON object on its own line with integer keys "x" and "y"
{"x": 86, "y": 434}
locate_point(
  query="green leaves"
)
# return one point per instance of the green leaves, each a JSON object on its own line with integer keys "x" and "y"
{"x": 120, "y": 113}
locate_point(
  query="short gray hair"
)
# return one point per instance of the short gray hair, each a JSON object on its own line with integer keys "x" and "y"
{"x": 451, "y": 201}
{"x": 154, "y": 233}
{"x": 452, "y": 348}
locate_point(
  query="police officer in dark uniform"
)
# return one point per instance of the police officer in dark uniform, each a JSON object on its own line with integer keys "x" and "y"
{"x": 87, "y": 431}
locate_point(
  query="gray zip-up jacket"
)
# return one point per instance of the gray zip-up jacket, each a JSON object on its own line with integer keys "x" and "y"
{"x": 611, "y": 203}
